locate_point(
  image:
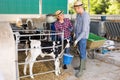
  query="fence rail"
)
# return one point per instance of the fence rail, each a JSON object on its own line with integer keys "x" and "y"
{"x": 18, "y": 50}
{"x": 108, "y": 17}
{"x": 112, "y": 30}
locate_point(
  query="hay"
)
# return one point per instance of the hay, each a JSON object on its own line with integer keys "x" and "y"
{"x": 41, "y": 67}
{"x": 50, "y": 76}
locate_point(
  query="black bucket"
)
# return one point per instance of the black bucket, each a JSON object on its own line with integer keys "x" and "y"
{"x": 103, "y": 18}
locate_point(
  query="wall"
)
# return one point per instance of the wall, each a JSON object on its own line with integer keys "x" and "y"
{"x": 7, "y": 52}
{"x": 14, "y": 17}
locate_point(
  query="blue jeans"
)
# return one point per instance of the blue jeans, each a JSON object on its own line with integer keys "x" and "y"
{"x": 82, "y": 48}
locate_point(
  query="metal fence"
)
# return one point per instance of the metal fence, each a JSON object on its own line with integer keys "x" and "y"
{"x": 108, "y": 29}
{"x": 112, "y": 30}
{"x": 108, "y": 17}
{"x": 18, "y": 50}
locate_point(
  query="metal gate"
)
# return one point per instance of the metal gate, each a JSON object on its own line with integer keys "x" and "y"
{"x": 112, "y": 30}
{"x": 50, "y": 36}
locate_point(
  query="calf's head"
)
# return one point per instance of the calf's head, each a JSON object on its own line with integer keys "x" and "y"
{"x": 35, "y": 44}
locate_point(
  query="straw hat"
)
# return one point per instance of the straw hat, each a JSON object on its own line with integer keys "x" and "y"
{"x": 77, "y": 3}
{"x": 58, "y": 12}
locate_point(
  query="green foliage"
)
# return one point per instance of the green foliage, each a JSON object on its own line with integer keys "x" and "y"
{"x": 101, "y": 6}
{"x": 114, "y": 7}
{"x": 71, "y": 10}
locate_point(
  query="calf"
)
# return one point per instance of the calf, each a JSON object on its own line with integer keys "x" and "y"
{"x": 25, "y": 40}
{"x": 37, "y": 49}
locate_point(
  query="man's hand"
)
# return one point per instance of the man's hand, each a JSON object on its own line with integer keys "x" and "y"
{"x": 75, "y": 43}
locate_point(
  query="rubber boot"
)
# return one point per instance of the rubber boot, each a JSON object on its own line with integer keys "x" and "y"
{"x": 78, "y": 74}
{"x": 84, "y": 66}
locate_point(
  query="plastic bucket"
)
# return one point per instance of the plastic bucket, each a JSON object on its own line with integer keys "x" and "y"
{"x": 104, "y": 51}
{"x": 67, "y": 59}
{"x": 103, "y": 18}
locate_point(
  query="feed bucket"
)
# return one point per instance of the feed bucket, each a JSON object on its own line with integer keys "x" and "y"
{"x": 67, "y": 59}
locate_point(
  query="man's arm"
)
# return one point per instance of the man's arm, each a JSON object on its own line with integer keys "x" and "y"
{"x": 85, "y": 28}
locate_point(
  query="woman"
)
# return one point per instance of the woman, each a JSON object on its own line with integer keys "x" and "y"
{"x": 63, "y": 24}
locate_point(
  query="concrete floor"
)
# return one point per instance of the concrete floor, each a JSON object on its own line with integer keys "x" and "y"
{"x": 96, "y": 70}
{"x": 103, "y": 67}
{"x": 112, "y": 57}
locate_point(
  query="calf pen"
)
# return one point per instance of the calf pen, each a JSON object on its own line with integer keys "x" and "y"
{"x": 112, "y": 30}
{"x": 21, "y": 49}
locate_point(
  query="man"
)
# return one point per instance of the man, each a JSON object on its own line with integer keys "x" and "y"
{"x": 63, "y": 24}
{"x": 81, "y": 34}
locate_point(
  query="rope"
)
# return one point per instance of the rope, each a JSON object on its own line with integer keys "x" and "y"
{"x": 61, "y": 54}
